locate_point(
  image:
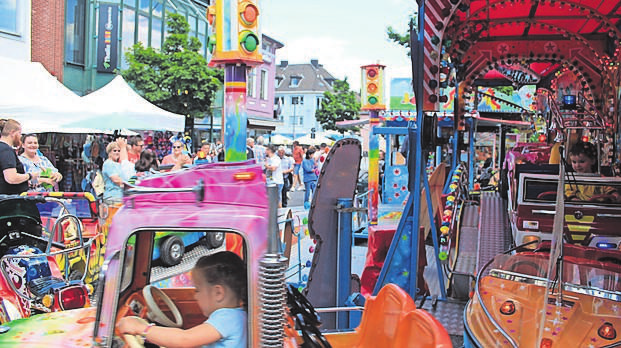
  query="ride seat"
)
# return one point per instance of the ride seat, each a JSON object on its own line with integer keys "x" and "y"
{"x": 420, "y": 329}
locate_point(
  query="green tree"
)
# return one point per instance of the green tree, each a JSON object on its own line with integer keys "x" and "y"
{"x": 402, "y": 39}
{"x": 340, "y": 104}
{"x": 175, "y": 78}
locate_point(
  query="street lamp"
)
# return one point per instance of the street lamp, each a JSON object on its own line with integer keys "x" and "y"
{"x": 294, "y": 101}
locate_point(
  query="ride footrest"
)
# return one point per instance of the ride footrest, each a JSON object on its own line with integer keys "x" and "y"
{"x": 42, "y": 286}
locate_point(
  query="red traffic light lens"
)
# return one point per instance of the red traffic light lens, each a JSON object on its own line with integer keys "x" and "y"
{"x": 249, "y": 13}
{"x": 372, "y": 73}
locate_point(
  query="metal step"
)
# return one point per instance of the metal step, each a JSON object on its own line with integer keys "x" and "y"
{"x": 466, "y": 264}
{"x": 494, "y": 230}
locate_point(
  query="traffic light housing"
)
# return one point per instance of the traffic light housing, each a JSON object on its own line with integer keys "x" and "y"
{"x": 373, "y": 87}
{"x": 234, "y": 33}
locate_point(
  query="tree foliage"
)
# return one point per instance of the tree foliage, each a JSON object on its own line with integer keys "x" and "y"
{"x": 402, "y": 39}
{"x": 340, "y": 104}
{"x": 175, "y": 78}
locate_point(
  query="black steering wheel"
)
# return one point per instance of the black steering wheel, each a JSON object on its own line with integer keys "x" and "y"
{"x": 306, "y": 318}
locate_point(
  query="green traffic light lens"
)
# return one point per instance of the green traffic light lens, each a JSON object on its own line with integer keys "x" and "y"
{"x": 372, "y": 100}
{"x": 249, "y": 41}
{"x": 211, "y": 43}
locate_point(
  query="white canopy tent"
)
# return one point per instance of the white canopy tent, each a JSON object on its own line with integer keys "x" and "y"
{"x": 307, "y": 140}
{"x": 116, "y": 105}
{"x": 29, "y": 94}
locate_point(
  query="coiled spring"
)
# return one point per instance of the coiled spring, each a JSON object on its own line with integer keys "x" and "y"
{"x": 272, "y": 294}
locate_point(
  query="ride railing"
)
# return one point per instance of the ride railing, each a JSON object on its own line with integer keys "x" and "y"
{"x": 584, "y": 115}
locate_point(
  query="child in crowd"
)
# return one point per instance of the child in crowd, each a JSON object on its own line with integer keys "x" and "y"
{"x": 221, "y": 293}
{"x": 583, "y": 157}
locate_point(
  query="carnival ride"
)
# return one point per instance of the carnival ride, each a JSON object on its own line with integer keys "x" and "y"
{"x": 31, "y": 280}
{"x": 197, "y": 200}
{"x": 82, "y": 264}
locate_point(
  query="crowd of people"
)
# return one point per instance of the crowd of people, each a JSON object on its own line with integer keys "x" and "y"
{"x": 291, "y": 169}
{"x": 25, "y": 168}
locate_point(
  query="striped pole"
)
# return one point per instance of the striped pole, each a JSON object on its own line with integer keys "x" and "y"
{"x": 373, "y": 168}
{"x": 235, "y": 117}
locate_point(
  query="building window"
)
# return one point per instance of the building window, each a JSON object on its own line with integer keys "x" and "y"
{"x": 278, "y": 81}
{"x": 297, "y": 100}
{"x": 251, "y": 83}
{"x": 156, "y": 33}
{"x": 156, "y": 24}
{"x": 295, "y": 81}
{"x": 143, "y": 30}
{"x": 8, "y": 16}
{"x": 319, "y": 99}
{"x": 144, "y": 5}
{"x": 75, "y": 27}
{"x": 129, "y": 30}
{"x": 264, "y": 85}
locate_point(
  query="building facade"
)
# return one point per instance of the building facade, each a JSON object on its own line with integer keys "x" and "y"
{"x": 15, "y": 30}
{"x": 98, "y": 33}
{"x": 299, "y": 92}
{"x": 260, "y": 85}
{"x": 260, "y": 91}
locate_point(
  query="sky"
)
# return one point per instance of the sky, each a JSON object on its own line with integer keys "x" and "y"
{"x": 342, "y": 34}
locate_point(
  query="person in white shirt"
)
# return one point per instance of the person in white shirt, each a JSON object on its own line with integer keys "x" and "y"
{"x": 273, "y": 171}
{"x": 286, "y": 165}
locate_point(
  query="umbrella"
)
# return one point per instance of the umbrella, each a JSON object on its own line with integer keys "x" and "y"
{"x": 307, "y": 140}
{"x": 331, "y": 134}
{"x": 278, "y": 139}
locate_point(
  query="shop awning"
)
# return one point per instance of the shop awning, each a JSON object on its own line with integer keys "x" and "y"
{"x": 263, "y": 123}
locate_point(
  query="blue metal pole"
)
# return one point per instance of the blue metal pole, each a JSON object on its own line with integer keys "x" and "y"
{"x": 343, "y": 267}
{"x": 456, "y": 154}
{"x": 413, "y": 134}
{"x": 472, "y": 156}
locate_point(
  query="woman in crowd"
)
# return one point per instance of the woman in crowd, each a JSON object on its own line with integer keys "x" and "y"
{"x": 177, "y": 158}
{"x": 113, "y": 172}
{"x": 309, "y": 169}
{"x": 34, "y": 162}
{"x": 144, "y": 166}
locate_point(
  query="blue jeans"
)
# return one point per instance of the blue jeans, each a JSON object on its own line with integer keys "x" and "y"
{"x": 309, "y": 185}
{"x": 280, "y": 192}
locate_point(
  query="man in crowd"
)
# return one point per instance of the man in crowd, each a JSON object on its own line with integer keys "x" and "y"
{"x": 249, "y": 148}
{"x": 298, "y": 155}
{"x": 260, "y": 151}
{"x": 136, "y": 145}
{"x": 273, "y": 170}
{"x": 14, "y": 179}
{"x": 286, "y": 166}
